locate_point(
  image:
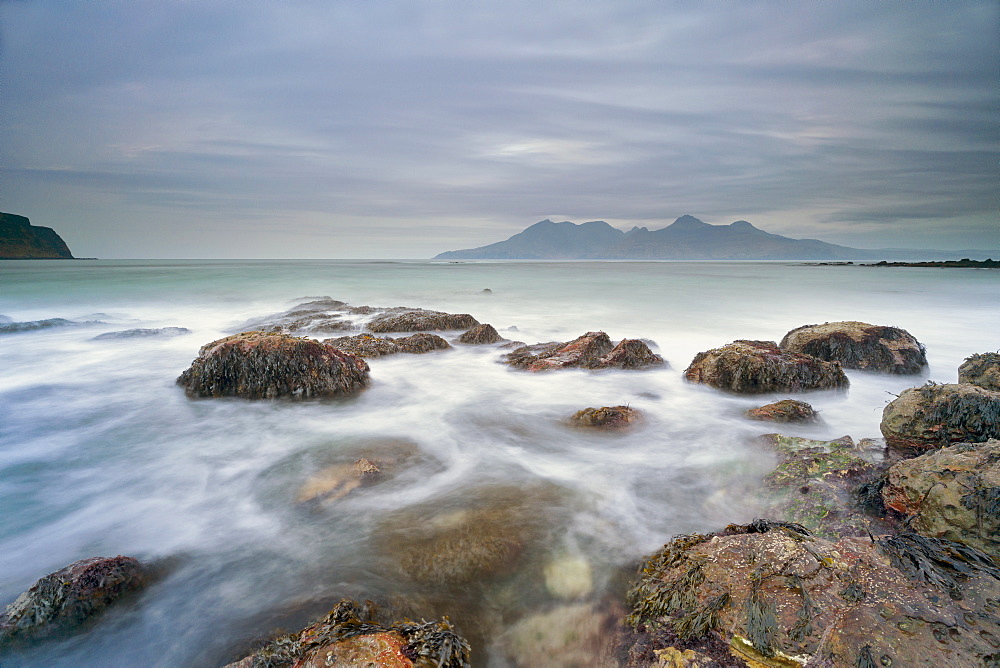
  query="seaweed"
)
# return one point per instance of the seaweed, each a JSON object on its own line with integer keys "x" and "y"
{"x": 966, "y": 416}
{"x": 869, "y": 494}
{"x": 697, "y": 623}
{"x": 434, "y": 643}
{"x": 652, "y": 597}
{"x": 937, "y": 561}
{"x": 985, "y": 501}
{"x": 853, "y": 592}
{"x": 761, "y": 620}
{"x": 865, "y": 658}
{"x": 760, "y": 525}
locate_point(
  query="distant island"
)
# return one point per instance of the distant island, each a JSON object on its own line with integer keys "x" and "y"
{"x": 687, "y": 238}
{"x": 20, "y": 240}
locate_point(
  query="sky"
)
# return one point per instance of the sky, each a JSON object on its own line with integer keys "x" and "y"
{"x": 401, "y": 129}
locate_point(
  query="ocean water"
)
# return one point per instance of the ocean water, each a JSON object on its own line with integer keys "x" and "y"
{"x": 102, "y": 454}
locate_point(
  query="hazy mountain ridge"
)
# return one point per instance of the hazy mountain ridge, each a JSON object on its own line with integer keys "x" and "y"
{"x": 687, "y": 238}
{"x": 20, "y": 240}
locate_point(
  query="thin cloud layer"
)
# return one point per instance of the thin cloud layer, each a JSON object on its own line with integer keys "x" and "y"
{"x": 402, "y": 129}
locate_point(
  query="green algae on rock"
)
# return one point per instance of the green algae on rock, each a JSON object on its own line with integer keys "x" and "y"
{"x": 266, "y": 365}
{"x": 982, "y": 370}
{"x": 936, "y": 415}
{"x": 859, "y": 345}
{"x": 756, "y": 367}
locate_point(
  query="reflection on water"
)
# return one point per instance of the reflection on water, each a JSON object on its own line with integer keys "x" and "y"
{"x": 487, "y": 507}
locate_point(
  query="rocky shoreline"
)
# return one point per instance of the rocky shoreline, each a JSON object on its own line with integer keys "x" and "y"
{"x": 876, "y": 552}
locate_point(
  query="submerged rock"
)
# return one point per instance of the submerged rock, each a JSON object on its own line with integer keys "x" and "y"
{"x": 786, "y": 410}
{"x": 609, "y": 417}
{"x": 951, "y": 493}
{"x": 780, "y": 597}
{"x": 264, "y": 365}
{"x": 34, "y": 325}
{"x": 570, "y": 636}
{"x": 338, "y": 480}
{"x": 143, "y": 333}
{"x": 352, "y": 634}
{"x": 481, "y": 335}
{"x": 754, "y": 367}
{"x": 366, "y": 345}
{"x": 417, "y": 320}
{"x": 592, "y": 350}
{"x": 70, "y": 596}
{"x": 982, "y": 370}
{"x": 858, "y": 345}
{"x": 933, "y": 416}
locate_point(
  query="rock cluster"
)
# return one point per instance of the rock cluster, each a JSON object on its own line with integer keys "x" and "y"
{"x": 265, "y": 365}
{"x": 858, "y": 345}
{"x": 933, "y": 416}
{"x": 592, "y": 350}
{"x": 366, "y": 345}
{"x": 754, "y": 367}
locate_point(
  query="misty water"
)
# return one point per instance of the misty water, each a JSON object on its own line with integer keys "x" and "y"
{"x": 102, "y": 454}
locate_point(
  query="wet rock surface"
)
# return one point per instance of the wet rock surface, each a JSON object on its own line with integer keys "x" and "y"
{"x": 859, "y": 345}
{"x": 357, "y": 634}
{"x": 481, "y": 335}
{"x": 773, "y": 595}
{"x": 934, "y": 416}
{"x": 607, "y": 417}
{"x": 754, "y": 367}
{"x": 419, "y": 320}
{"x": 982, "y": 370}
{"x": 951, "y": 493}
{"x": 366, "y": 345}
{"x": 592, "y": 350}
{"x": 70, "y": 596}
{"x": 265, "y": 365}
{"x": 786, "y": 410}
{"x": 631, "y": 354}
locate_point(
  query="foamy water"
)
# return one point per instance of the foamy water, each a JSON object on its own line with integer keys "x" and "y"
{"x": 102, "y": 454}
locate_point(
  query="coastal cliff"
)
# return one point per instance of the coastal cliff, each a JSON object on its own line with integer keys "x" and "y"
{"x": 20, "y": 240}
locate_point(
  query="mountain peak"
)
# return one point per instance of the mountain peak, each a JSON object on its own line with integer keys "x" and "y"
{"x": 742, "y": 225}
{"x": 687, "y": 223}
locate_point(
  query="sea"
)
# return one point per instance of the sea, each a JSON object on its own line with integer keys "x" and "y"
{"x": 102, "y": 454}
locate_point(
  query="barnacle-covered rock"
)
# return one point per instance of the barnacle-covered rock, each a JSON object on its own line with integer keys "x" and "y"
{"x": 786, "y": 410}
{"x": 858, "y": 345}
{"x": 607, "y": 417}
{"x": 754, "y": 367}
{"x": 951, "y": 493}
{"x": 265, "y": 365}
{"x": 982, "y": 370}
{"x": 779, "y": 596}
{"x": 71, "y": 596}
{"x": 366, "y": 345}
{"x": 934, "y": 416}
{"x": 481, "y": 335}
{"x": 419, "y": 320}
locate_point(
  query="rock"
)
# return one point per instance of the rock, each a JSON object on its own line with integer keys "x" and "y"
{"x": 481, "y": 334}
{"x": 33, "y": 325}
{"x": 786, "y": 410}
{"x": 353, "y": 634}
{"x": 754, "y": 367}
{"x": 593, "y": 350}
{"x": 951, "y": 493}
{"x": 366, "y": 345}
{"x": 143, "y": 333}
{"x": 569, "y": 636}
{"x": 780, "y": 597}
{"x": 631, "y": 354}
{"x": 339, "y": 480}
{"x": 70, "y": 596}
{"x": 613, "y": 417}
{"x": 671, "y": 657}
{"x": 416, "y": 320}
{"x": 19, "y": 239}
{"x": 263, "y": 365}
{"x": 569, "y": 577}
{"x": 982, "y": 370}
{"x": 858, "y": 345}
{"x": 933, "y": 416}
{"x": 486, "y": 291}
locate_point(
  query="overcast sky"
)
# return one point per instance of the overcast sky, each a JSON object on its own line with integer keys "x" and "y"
{"x": 377, "y": 128}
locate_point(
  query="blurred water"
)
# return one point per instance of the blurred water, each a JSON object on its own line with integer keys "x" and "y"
{"x": 101, "y": 454}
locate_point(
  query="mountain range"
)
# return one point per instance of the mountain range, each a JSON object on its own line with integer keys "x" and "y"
{"x": 687, "y": 238}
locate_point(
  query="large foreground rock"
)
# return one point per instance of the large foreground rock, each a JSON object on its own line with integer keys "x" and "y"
{"x": 70, "y": 596}
{"x": 753, "y": 367}
{"x": 858, "y": 345}
{"x": 933, "y": 416}
{"x": 771, "y": 594}
{"x": 366, "y": 345}
{"x": 982, "y": 370}
{"x": 951, "y": 493}
{"x": 353, "y": 634}
{"x": 420, "y": 320}
{"x": 263, "y": 365}
{"x": 592, "y": 350}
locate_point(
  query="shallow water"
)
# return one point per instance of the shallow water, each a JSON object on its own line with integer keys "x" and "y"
{"x": 102, "y": 454}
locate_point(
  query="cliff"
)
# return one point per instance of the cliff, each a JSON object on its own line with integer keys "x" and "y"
{"x": 20, "y": 240}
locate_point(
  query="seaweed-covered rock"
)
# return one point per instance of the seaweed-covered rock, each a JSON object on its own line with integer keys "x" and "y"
{"x": 933, "y": 416}
{"x": 608, "y": 417}
{"x": 366, "y": 345}
{"x": 982, "y": 370}
{"x": 858, "y": 345}
{"x": 352, "y": 634}
{"x": 70, "y": 596}
{"x": 951, "y": 493}
{"x": 754, "y": 367}
{"x": 786, "y": 410}
{"x": 593, "y": 350}
{"x": 418, "y": 320}
{"x": 780, "y": 597}
{"x": 631, "y": 354}
{"x": 480, "y": 335}
{"x": 264, "y": 365}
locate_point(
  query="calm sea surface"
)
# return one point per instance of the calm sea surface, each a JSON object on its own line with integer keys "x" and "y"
{"x": 102, "y": 454}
